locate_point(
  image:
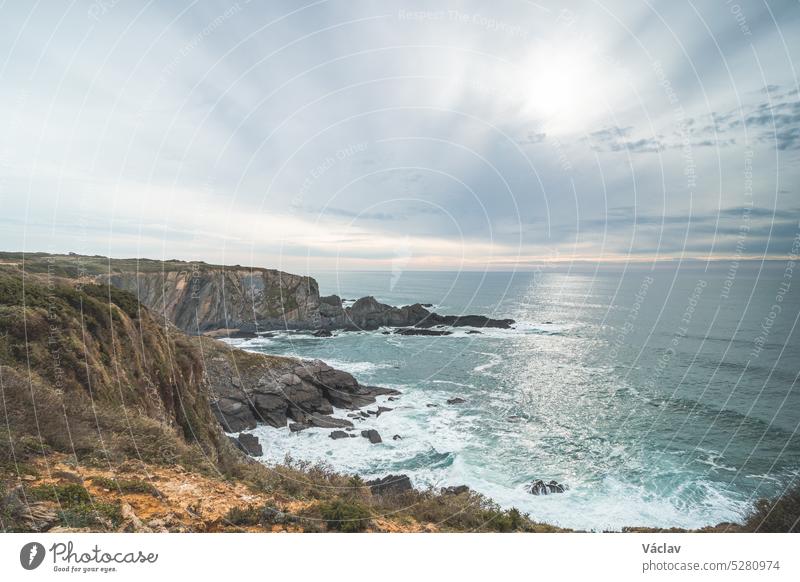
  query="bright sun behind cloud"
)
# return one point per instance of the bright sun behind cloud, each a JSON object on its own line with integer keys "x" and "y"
{"x": 566, "y": 88}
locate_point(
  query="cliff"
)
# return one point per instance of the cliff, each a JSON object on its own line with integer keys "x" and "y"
{"x": 206, "y": 298}
{"x": 111, "y": 422}
{"x": 201, "y": 298}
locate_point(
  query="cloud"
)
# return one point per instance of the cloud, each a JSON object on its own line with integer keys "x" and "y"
{"x": 332, "y": 132}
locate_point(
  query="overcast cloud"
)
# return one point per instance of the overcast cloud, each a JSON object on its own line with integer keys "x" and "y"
{"x": 341, "y": 133}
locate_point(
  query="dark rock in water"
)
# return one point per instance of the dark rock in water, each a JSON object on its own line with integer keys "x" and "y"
{"x": 548, "y": 323}
{"x": 340, "y": 434}
{"x": 297, "y": 427}
{"x": 392, "y": 398}
{"x": 431, "y": 405}
{"x": 474, "y": 331}
{"x": 456, "y": 400}
{"x": 369, "y": 314}
{"x": 468, "y": 321}
{"x": 250, "y": 445}
{"x": 234, "y": 416}
{"x": 421, "y": 331}
{"x": 390, "y": 485}
{"x": 322, "y": 333}
{"x": 539, "y": 487}
{"x": 397, "y": 437}
{"x": 328, "y": 422}
{"x": 239, "y": 334}
{"x": 372, "y": 435}
{"x": 380, "y": 410}
{"x": 455, "y": 490}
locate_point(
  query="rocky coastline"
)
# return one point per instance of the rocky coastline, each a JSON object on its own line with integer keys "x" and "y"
{"x": 206, "y": 299}
{"x": 162, "y": 402}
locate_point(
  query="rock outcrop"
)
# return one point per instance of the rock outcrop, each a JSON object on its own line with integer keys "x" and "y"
{"x": 250, "y": 388}
{"x": 248, "y": 444}
{"x": 202, "y": 298}
{"x": 368, "y": 313}
{"x": 373, "y": 436}
{"x": 539, "y": 487}
{"x": 390, "y": 485}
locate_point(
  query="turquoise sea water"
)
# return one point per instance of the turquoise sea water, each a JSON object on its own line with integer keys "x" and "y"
{"x": 660, "y": 396}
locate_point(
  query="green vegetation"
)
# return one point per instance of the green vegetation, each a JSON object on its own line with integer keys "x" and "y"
{"x": 72, "y": 265}
{"x": 68, "y": 494}
{"x": 344, "y": 515}
{"x": 110, "y": 381}
{"x": 103, "y": 516}
{"x": 244, "y": 516}
{"x": 75, "y": 506}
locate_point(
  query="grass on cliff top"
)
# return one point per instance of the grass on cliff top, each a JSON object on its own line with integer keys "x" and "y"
{"x": 74, "y": 265}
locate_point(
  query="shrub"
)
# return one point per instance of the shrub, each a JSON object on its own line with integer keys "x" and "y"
{"x": 345, "y": 516}
{"x": 102, "y": 515}
{"x": 242, "y": 516}
{"x": 779, "y": 515}
{"x": 67, "y": 494}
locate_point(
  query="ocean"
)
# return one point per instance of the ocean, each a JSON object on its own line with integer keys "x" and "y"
{"x": 660, "y": 396}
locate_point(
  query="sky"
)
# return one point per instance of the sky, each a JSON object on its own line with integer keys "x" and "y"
{"x": 347, "y": 134}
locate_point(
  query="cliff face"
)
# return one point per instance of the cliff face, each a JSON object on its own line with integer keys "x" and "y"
{"x": 199, "y": 298}
{"x": 222, "y": 297}
{"x": 251, "y": 300}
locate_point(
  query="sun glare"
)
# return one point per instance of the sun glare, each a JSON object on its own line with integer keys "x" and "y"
{"x": 563, "y": 89}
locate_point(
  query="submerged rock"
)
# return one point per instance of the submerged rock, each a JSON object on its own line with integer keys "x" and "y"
{"x": 422, "y": 331}
{"x": 340, "y": 434}
{"x": 322, "y": 333}
{"x": 240, "y": 334}
{"x": 380, "y": 410}
{"x": 457, "y": 400}
{"x": 373, "y": 436}
{"x": 539, "y": 487}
